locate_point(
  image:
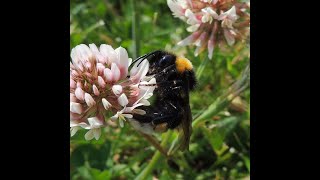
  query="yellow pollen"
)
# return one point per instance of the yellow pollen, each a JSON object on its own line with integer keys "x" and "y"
{"x": 183, "y": 64}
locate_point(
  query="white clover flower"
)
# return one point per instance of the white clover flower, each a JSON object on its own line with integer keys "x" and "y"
{"x": 94, "y": 125}
{"x": 212, "y": 22}
{"x": 100, "y": 84}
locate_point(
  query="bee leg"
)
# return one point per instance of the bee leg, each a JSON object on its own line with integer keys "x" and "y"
{"x": 172, "y": 120}
{"x": 173, "y": 83}
{"x": 142, "y": 118}
{"x": 168, "y": 71}
{"x": 162, "y": 119}
{"x": 172, "y": 117}
{"x": 171, "y": 87}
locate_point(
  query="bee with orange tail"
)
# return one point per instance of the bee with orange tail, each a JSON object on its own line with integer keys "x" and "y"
{"x": 175, "y": 78}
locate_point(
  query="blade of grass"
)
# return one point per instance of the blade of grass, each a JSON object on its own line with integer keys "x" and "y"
{"x": 246, "y": 162}
{"x": 224, "y": 100}
{"x": 135, "y": 30}
{"x": 201, "y": 67}
{"x": 212, "y": 110}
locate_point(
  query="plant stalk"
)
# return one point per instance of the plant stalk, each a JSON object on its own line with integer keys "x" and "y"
{"x": 135, "y": 30}
{"x": 155, "y": 143}
{"x": 155, "y": 158}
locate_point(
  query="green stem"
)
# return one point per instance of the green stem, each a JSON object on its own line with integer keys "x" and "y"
{"x": 155, "y": 143}
{"x": 155, "y": 158}
{"x": 135, "y": 30}
{"x": 201, "y": 67}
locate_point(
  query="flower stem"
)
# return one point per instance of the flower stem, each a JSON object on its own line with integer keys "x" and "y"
{"x": 135, "y": 30}
{"x": 201, "y": 67}
{"x": 154, "y": 142}
{"x": 155, "y": 158}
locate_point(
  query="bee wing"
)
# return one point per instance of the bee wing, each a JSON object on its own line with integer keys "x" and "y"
{"x": 186, "y": 129}
{"x": 186, "y": 122}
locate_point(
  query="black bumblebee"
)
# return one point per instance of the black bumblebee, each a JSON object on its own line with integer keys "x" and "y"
{"x": 174, "y": 79}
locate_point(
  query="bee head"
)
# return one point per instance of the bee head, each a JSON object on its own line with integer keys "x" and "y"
{"x": 160, "y": 60}
{"x": 182, "y": 64}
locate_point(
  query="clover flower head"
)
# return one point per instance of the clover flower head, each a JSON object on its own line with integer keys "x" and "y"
{"x": 212, "y": 22}
{"x": 102, "y": 88}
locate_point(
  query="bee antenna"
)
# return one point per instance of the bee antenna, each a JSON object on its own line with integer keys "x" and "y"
{"x": 145, "y": 56}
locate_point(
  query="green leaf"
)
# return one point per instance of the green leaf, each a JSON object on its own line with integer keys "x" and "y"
{"x": 221, "y": 129}
{"x": 77, "y": 158}
{"x": 98, "y": 156}
{"x": 95, "y": 155}
{"x": 246, "y": 162}
{"x": 100, "y": 175}
{"x": 84, "y": 172}
{"x": 214, "y": 137}
{"x": 212, "y": 110}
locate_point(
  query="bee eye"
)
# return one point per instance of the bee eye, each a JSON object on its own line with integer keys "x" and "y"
{"x": 165, "y": 60}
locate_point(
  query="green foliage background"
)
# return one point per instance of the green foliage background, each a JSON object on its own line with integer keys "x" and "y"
{"x": 220, "y": 143}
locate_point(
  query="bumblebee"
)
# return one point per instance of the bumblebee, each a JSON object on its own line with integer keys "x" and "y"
{"x": 175, "y": 78}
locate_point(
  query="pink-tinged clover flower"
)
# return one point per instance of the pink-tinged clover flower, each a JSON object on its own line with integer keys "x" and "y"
{"x": 102, "y": 88}
{"x": 212, "y": 23}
